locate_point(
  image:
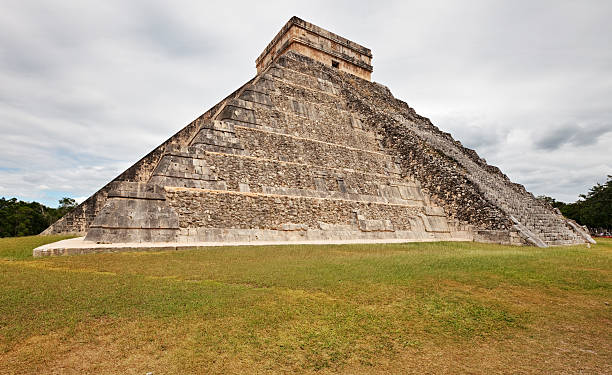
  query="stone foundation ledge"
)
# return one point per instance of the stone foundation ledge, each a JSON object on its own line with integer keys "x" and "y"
{"x": 76, "y": 246}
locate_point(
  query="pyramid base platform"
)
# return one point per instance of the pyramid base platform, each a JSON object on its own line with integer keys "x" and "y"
{"x": 76, "y": 246}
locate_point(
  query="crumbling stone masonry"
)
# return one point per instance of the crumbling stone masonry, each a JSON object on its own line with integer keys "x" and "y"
{"x": 310, "y": 149}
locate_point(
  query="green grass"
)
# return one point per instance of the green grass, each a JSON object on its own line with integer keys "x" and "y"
{"x": 395, "y": 308}
{"x": 21, "y": 247}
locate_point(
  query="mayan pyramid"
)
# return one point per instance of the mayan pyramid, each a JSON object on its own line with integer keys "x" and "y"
{"x": 308, "y": 150}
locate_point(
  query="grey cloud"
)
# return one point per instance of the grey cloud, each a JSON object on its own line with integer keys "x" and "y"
{"x": 473, "y": 131}
{"x": 176, "y": 37}
{"x": 575, "y": 135}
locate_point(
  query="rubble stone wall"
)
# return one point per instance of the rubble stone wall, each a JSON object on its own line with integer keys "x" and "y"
{"x": 267, "y": 145}
{"x": 198, "y": 208}
{"x": 188, "y": 167}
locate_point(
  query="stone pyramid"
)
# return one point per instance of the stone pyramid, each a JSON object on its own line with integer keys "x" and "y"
{"x": 311, "y": 149}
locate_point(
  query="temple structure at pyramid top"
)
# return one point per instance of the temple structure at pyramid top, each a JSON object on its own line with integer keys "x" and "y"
{"x": 311, "y": 150}
{"x": 320, "y": 45}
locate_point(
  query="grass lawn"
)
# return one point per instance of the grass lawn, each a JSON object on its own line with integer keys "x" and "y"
{"x": 397, "y": 308}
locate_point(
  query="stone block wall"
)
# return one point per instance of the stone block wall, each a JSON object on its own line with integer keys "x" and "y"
{"x": 192, "y": 166}
{"x": 199, "y": 208}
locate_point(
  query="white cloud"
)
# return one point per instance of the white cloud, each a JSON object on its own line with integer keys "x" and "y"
{"x": 80, "y": 200}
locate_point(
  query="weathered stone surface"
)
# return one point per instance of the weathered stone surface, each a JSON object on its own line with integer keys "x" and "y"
{"x": 306, "y": 151}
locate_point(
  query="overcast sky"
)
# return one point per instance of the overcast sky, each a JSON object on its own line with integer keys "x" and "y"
{"x": 89, "y": 87}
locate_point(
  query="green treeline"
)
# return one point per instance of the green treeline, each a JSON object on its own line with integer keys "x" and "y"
{"x": 18, "y": 218}
{"x": 593, "y": 209}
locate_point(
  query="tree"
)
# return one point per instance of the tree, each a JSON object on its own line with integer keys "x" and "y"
{"x": 18, "y": 218}
{"x": 550, "y": 200}
{"x": 593, "y": 209}
{"x": 66, "y": 205}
